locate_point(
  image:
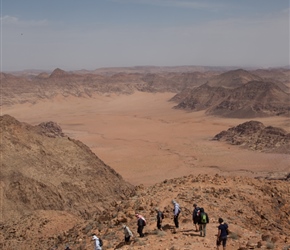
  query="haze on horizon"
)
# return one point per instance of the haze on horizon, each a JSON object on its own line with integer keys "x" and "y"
{"x": 92, "y": 34}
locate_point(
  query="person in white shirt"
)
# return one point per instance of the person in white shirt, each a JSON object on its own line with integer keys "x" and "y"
{"x": 176, "y": 212}
{"x": 127, "y": 232}
{"x": 97, "y": 242}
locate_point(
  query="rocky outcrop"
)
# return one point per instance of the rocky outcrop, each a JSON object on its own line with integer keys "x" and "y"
{"x": 253, "y": 99}
{"x": 254, "y": 135}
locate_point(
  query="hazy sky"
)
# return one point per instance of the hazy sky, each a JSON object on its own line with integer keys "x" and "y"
{"x": 90, "y": 34}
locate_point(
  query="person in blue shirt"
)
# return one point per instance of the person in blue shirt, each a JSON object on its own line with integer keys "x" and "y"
{"x": 222, "y": 234}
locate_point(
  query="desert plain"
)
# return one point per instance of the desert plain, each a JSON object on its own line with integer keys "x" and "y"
{"x": 147, "y": 141}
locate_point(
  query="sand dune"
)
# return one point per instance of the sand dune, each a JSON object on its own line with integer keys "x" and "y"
{"x": 147, "y": 141}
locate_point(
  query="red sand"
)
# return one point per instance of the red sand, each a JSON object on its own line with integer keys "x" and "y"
{"x": 147, "y": 141}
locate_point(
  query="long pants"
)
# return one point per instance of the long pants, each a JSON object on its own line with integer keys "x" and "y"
{"x": 140, "y": 231}
{"x": 202, "y": 228}
{"x": 176, "y": 221}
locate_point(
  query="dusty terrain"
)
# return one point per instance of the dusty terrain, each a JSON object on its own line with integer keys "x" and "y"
{"x": 164, "y": 152}
{"x": 147, "y": 141}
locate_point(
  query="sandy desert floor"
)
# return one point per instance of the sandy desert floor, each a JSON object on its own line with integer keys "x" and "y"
{"x": 147, "y": 141}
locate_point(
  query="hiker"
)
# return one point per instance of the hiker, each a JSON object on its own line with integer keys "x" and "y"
{"x": 127, "y": 232}
{"x": 176, "y": 211}
{"x": 159, "y": 217}
{"x": 222, "y": 234}
{"x": 97, "y": 242}
{"x": 203, "y": 220}
{"x": 195, "y": 216}
{"x": 141, "y": 223}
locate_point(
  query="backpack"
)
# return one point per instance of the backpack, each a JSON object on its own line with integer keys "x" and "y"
{"x": 203, "y": 218}
{"x": 160, "y": 215}
{"x": 100, "y": 242}
{"x": 227, "y": 229}
{"x": 196, "y": 212}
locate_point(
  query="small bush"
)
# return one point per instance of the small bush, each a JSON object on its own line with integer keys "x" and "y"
{"x": 270, "y": 245}
{"x": 160, "y": 233}
{"x": 233, "y": 236}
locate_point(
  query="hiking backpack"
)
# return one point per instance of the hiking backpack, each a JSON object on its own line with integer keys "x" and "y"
{"x": 227, "y": 229}
{"x": 203, "y": 218}
{"x": 100, "y": 242}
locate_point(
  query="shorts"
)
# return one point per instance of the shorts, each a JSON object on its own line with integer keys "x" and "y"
{"x": 222, "y": 240}
{"x": 195, "y": 220}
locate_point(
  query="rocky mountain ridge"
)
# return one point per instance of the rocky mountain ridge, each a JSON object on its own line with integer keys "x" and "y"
{"x": 253, "y": 99}
{"x": 43, "y": 169}
{"x": 21, "y": 89}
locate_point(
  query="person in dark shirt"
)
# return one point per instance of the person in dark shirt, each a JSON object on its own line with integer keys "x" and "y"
{"x": 141, "y": 223}
{"x": 195, "y": 216}
{"x": 159, "y": 218}
{"x": 222, "y": 234}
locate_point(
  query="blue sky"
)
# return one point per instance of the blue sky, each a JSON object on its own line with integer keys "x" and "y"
{"x": 90, "y": 34}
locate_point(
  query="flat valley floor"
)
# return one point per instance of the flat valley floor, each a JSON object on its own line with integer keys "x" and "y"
{"x": 147, "y": 141}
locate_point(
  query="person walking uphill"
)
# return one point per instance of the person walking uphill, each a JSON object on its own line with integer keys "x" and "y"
{"x": 159, "y": 218}
{"x": 222, "y": 234}
{"x": 203, "y": 220}
{"x": 127, "y": 232}
{"x": 195, "y": 216}
{"x": 97, "y": 242}
{"x": 141, "y": 223}
{"x": 176, "y": 212}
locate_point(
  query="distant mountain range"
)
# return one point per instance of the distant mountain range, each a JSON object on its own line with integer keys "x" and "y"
{"x": 235, "y": 93}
